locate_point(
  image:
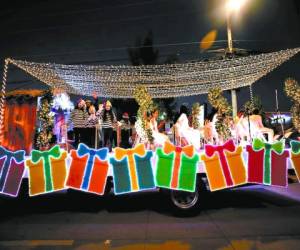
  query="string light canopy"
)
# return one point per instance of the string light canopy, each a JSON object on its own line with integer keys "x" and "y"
{"x": 161, "y": 81}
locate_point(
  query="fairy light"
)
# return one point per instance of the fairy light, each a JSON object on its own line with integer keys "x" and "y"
{"x": 161, "y": 81}
{"x": 2, "y": 96}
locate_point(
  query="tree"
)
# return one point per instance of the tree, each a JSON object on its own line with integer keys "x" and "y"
{"x": 219, "y": 102}
{"x": 292, "y": 90}
{"x": 46, "y": 119}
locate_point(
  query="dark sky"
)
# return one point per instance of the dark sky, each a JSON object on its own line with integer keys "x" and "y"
{"x": 99, "y": 32}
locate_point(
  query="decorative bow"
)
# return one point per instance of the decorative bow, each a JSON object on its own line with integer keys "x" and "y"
{"x": 36, "y": 155}
{"x": 170, "y": 148}
{"x": 211, "y": 150}
{"x": 83, "y": 150}
{"x": 100, "y": 153}
{"x": 17, "y": 155}
{"x": 120, "y": 153}
{"x": 295, "y": 146}
{"x": 278, "y": 147}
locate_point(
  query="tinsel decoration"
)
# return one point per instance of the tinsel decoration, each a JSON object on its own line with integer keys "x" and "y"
{"x": 46, "y": 119}
{"x": 146, "y": 104}
{"x": 292, "y": 90}
{"x": 250, "y": 106}
{"x": 220, "y": 103}
{"x": 195, "y": 114}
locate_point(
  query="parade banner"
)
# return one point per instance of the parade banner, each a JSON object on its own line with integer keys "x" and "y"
{"x": 134, "y": 169}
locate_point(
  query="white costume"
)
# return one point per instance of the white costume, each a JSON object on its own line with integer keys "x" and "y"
{"x": 256, "y": 128}
{"x": 159, "y": 138}
{"x": 185, "y": 131}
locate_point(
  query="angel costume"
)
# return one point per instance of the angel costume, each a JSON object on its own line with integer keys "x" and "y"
{"x": 159, "y": 138}
{"x": 191, "y": 135}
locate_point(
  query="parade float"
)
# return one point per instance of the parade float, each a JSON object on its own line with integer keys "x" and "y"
{"x": 177, "y": 169}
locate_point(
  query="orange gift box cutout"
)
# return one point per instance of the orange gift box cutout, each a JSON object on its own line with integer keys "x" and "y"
{"x": 88, "y": 170}
{"x": 215, "y": 172}
{"x": 47, "y": 174}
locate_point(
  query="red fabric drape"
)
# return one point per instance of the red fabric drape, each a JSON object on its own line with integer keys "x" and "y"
{"x": 19, "y": 125}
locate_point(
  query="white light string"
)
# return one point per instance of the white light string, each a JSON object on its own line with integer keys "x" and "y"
{"x": 161, "y": 81}
{"x": 2, "y": 97}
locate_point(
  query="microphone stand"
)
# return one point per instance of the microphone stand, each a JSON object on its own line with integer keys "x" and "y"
{"x": 279, "y": 115}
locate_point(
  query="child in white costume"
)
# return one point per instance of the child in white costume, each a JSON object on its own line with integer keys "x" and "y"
{"x": 192, "y": 136}
{"x": 159, "y": 138}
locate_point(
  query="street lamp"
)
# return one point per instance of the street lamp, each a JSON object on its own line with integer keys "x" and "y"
{"x": 232, "y": 7}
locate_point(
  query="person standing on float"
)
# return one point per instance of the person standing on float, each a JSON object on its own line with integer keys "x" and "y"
{"x": 92, "y": 125}
{"x": 108, "y": 119}
{"x": 78, "y": 118}
{"x": 125, "y": 131}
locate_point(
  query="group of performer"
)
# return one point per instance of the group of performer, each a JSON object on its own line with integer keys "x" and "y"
{"x": 243, "y": 128}
{"x": 97, "y": 126}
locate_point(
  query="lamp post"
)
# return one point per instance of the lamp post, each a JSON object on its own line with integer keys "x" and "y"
{"x": 232, "y": 6}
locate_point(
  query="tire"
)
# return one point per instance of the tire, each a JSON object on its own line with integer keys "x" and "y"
{"x": 187, "y": 204}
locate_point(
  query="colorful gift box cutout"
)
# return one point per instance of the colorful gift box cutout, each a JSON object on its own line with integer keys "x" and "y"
{"x": 47, "y": 171}
{"x": 295, "y": 157}
{"x": 132, "y": 170}
{"x": 224, "y": 166}
{"x": 11, "y": 171}
{"x": 267, "y": 163}
{"x": 176, "y": 167}
{"x": 88, "y": 170}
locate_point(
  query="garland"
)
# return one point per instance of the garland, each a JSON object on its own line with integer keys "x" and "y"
{"x": 146, "y": 104}
{"x": 195, "y": 114}
{"x": 250, "y": 106}
{"x": 292, "y": 90}
{"x": 46, "y": 119}
{"x": 220, "y": 103}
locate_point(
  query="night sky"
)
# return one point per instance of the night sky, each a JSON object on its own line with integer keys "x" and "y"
{"x": 100, "y": 32}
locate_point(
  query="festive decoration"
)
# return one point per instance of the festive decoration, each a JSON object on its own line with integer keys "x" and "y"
{"x": 176, "y": 167}
{"x": 46, "y": 122}
{"x": 132, "y": 169}
{"x": 220, "y": 103}
{"x": 47, "y": 171}
{"x": 61, "y": 101}
{"x": 2, "y": 96}
{"x": 26, "y": 92}
{"x": 295, "y": 157}
{"x": 161, "y": 81}
{"x": 224, "y": 166}
{"x": 292, "y": 90}
{"x": 145, "y": 102}
{"x": 195, "y": 115}
{"x": 267, "y": 163}
{"x": 252, "y": 105}
{"x": 19, "y": 123}
{"x": 11, "y": 171}
{"x": 88, "y": 169}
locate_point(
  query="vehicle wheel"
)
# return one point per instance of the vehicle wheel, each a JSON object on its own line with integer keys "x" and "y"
{"x": 186, "y": 204}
